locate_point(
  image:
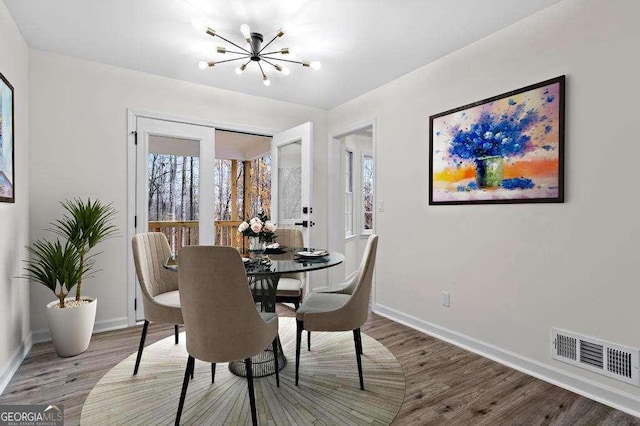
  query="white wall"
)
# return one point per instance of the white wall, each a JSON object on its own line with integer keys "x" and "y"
{"x": 79, "y": 149}
{"x": 515, "y": 271}
{"x": 14, "y": 223}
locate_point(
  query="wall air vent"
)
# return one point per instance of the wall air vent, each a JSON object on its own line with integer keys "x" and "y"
{"x": 591, "y": 353}
{"x": 609, "y": 359}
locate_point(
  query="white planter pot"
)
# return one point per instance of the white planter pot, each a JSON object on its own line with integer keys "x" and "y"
{"x": 71, "y": 328}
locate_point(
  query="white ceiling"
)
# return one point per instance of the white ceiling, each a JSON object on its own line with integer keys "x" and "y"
{"x": 361, "y": 44}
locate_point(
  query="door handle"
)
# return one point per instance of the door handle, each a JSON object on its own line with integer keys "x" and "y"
{"x": 304, "y": 223}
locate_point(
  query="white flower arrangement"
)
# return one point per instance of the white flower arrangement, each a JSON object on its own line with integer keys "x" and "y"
{"x": 259, "y": 226}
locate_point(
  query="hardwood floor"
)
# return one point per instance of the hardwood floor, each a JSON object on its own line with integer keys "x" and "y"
{"x": 444, "y": 384}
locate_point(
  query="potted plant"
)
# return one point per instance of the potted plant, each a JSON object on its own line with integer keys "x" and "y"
{"x": 62, "y": 266}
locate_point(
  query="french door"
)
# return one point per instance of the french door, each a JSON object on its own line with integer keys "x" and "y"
{"x": 174, "y": 183}
{"x": 182, "y": 157}
{"x": 291, "y": 179}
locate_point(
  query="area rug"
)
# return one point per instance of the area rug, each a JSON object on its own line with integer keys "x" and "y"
{"x": 328, "y": 391}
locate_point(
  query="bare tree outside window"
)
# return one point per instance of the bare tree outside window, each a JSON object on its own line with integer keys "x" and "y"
{"x": 173, "y": 187}
{"x": 261, "y": 186}
{"x": 367, "y": 193}
{"x": 174, "y": 191}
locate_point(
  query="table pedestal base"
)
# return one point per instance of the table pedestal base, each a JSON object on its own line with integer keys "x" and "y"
{"x": 261, "y": 364}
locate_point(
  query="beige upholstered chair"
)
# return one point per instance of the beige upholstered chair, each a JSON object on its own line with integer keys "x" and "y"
{"x": 220, "y": 318}
{"x": 290, "y": 285}
{"x": 346, "y": 287}
{"x": 338, "y": 311}
{"x": 159, "y": 286}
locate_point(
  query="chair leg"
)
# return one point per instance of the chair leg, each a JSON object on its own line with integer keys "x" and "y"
{"x": 141, "y": 347}
{"x": 252, "y": 395}
{"x": 185, "y": 383}
{"x": 176, "y": 332}
{"x": 299, "y": 327}
{"x": 280, "y": 345}
{"x": 308, "y": 340}
{"x": 356, "y": 339}
{"x": 359, "y": 335}
{"x": 275, "y": 359}
{"x": 213, "y": 372}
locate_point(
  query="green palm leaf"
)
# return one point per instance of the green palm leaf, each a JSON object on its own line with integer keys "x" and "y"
{"x": 55, "y": 266}
{"x": 85, "y": 225}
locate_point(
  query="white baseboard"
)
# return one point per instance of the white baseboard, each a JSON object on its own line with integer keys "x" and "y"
{"x": 43, "y": 335}
{"x": 14, "y": 363}
{"x": 620, "y": 400}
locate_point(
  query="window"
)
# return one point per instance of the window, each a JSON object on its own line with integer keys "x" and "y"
{"x": 348, "y": 194}
{"x": 367, "y": 194}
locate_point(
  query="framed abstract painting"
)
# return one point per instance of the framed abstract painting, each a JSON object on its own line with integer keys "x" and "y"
{"x": 7, "y": 173}
{"x": 505, "y": 149}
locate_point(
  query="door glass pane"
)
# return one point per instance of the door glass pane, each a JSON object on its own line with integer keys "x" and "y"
{"x": 289, "y": 184}
{"x": 348, "y": 202}
{"x": 260, "y": 195}
{"x": 173, "y": 189}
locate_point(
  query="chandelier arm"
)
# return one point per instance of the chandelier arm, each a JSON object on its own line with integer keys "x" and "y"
{"x": 270, "y": 53}
{"x": 265, "y": 46}
{"x": 280, "y": 59}
{"x": 270, "y": 63}
{"x": 231, "y": 60}
{"x": 261, "y": 70}
{"x": 230, "y": 42}
{"x": 237, "y": 53}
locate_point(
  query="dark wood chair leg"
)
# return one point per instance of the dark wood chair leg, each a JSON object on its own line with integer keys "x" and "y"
{"x": 299, "y": 327}
{"x": 252, "y": 395}
{"x": 279, "y": 345}
{"x": 275, "y": 359}
{"x": 308, "y": 340}
{"x": 176, "y": 332}
{"x": 356, "y": 339}
{"x": 213, "y": 372}
{"x": 141, "y": 347}
{"x": 185, "y": 383}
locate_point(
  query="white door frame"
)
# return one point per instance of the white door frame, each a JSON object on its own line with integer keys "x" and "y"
{"x": 335, "y": 193}
{"x": 132, "y": 116}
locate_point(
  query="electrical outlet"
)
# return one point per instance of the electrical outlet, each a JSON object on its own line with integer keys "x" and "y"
{"x": 445, "y": 299}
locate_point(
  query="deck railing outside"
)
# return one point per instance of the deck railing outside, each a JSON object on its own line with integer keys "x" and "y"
{"x": 185, "y": 233}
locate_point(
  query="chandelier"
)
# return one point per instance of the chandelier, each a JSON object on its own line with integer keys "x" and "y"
{"x": 256, "y": 53}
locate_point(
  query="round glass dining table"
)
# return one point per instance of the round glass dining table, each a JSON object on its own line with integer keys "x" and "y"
{"x": 263, "y": 273}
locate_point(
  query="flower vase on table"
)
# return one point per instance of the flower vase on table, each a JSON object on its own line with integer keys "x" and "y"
{"x": 256, "y": 247}
{"x": 259, "y": 231}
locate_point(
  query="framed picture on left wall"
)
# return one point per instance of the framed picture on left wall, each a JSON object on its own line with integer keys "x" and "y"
{"x": 7, "y": 130}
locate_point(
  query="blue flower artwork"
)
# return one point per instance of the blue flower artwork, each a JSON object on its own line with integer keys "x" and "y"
{"x": 506, "y": 149}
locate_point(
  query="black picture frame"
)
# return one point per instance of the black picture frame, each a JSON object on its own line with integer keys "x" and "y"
{"x": 7, "y": 137}
{"x": 513, "y": 143}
